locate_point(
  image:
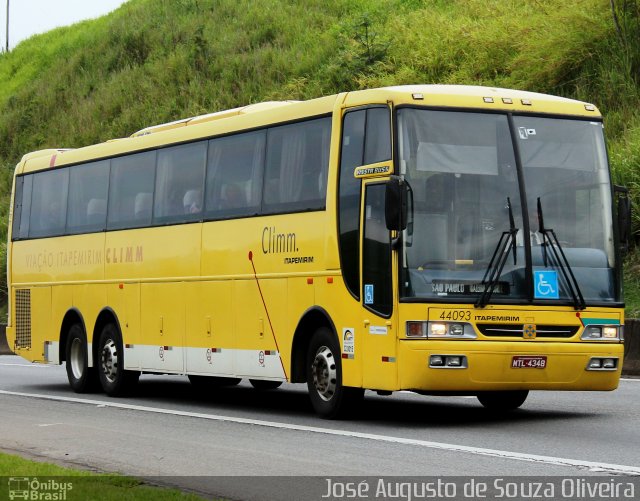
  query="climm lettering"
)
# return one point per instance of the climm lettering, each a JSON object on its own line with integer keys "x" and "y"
{"x": 124, "y": 255}
{"x": 274, "y": 242}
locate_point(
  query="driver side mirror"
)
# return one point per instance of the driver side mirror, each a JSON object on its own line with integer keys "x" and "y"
{"x": 396, "y": 204}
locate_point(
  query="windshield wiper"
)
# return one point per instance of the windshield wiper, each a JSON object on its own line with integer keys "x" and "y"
{"x": 550, "y": 241}
{"x": 493, "y": 272}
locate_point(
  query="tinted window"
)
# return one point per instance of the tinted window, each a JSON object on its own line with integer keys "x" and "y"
{"x": 349, "y": 198}
{"x": 376, "y": 254}
{"x": 179, "y": 183}
{"x": 234, "y": 175}
{"x": 22, "y": 207}
{"x": 49, "y": 203}
{"x": 296, "y": 169}
{"x": 378, "y": 144}
{"x": 88, "y": 189}
{"x": 131, "y": 190}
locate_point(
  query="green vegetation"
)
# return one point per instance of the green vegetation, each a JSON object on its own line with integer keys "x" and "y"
{"x": 83, "y": 484}
{"x": 153, "y": 61}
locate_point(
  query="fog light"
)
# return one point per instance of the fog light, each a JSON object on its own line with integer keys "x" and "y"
{"x": 595, "y": 363}
{"x": 593, "y": 332}
{"x": 456, "y": 330}
{"x": 610, "y": 332}
{"x": 436, "y": 360}
{"x": 453, "y": 361}
{"x": 609, "y": 363}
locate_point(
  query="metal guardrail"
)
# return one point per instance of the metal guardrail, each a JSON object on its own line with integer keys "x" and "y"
{"x": 631, "y": 365}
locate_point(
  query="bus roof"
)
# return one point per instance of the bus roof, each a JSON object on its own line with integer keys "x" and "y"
{"x": 270, "y": 112}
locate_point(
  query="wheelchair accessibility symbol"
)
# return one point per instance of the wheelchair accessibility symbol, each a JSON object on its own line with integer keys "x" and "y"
{"x": 546, "y": 285}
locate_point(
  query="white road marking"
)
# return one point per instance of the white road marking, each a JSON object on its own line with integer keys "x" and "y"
{"x": 49, "y": 424}
{"x": 37, "y": 366}
{"x": 518, "y": 456}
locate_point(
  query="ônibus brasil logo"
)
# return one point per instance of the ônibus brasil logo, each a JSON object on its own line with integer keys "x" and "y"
{"x": 38, "y": 490}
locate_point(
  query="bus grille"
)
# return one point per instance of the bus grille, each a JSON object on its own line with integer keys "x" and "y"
{"x": 517, "y": 330}
{"x": 23, "y": 318}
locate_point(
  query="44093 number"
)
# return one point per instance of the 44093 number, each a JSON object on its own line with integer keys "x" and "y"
{"x": 455, "y": 315}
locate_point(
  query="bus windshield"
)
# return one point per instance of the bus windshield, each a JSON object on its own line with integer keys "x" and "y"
{"x": 471, "y": 203}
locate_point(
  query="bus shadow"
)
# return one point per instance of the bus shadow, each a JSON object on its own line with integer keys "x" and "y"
{"x": 291, "y": 401}
{"x": 454, "y": 412}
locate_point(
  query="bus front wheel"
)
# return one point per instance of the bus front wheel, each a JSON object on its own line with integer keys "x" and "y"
{"x": 503, "y": 400}
{"x": 330, "y": 399}
{"x": 115, "y": 380}
{"x": 82, "y": 378}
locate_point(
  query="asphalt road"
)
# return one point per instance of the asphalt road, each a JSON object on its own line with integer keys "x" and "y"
{"x": 245, "y": 444}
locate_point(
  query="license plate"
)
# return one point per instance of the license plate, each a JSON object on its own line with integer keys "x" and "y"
{"x": 528, "y": 362}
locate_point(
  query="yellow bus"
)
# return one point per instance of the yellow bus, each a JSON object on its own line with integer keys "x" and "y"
{"x": 445, "y": 240}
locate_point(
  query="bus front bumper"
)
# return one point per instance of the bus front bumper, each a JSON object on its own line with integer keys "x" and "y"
{"x": 498, "y": 365}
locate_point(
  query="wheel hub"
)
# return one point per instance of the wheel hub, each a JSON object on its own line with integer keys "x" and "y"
{"x": 109, "y": 360}
{"x": 324, "y": 372}
{"x": 76, "y": 358}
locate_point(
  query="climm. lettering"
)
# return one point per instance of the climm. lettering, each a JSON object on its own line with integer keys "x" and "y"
{"x": 277, "y": 243}
{"x": 124, "y": 255}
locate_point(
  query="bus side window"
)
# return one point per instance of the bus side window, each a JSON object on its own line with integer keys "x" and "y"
{"x": 49, "y": 203}
{"x": 88, "y": 188}
{"x": 131, "y": 190}
{"x": 235, "y": 168}
{"x": 297, "y": 164}
{"x": 180, "y": 170}
{"x": 22, "y": 207}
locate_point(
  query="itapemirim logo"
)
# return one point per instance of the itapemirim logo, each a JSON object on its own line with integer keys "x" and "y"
{"x": 38, "y": 490}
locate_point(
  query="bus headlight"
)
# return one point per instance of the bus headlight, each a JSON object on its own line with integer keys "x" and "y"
{"x": 440, "y": 330}
{"x": 602, "y": 333}
{"x": 450, "y": 330}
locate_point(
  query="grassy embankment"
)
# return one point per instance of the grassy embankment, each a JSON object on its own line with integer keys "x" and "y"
{"x": 83, "y": 484}
{"x": 153, "y": 61}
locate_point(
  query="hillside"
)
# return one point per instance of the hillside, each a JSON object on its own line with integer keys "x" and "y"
{"x": 154, "y": 61}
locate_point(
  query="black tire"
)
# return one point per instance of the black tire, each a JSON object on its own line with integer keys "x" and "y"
{"x": 330, "y": 399}
{"x": 115, "y": 380}
{"x": 213, "y": 381}
{"x": 262, "y": 385}
{"x": 82, "y": 378}
{"x": 503, "y": 401}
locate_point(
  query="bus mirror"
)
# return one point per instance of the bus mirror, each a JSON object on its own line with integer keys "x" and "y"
{"x": 395, "y": 202}
{"x": 624, "y": 216}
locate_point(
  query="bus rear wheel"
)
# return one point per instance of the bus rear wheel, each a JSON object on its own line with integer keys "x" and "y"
{"x": 330, "y": 399}
{"x": 115, "y": 380}
{"x": 503, "y": 400}
{"x": 82, "y": 378}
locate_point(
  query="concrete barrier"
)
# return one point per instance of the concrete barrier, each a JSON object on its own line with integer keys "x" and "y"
{"x": 4, "y": 347}
{"x": 631, "y": 365}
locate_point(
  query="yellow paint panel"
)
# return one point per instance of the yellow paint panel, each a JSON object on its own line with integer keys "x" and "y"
{"x": 163, "y": 322}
